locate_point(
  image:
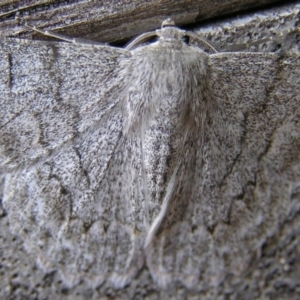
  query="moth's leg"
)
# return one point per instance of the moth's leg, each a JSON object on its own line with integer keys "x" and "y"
{"x": 66, "y": 38}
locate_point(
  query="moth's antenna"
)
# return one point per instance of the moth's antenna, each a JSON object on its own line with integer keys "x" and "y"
{"x": 170, "y": 23}
{"x": 65, "y": 38}
{"x": 201, "y": 40}
{"x": 140, "y": 39}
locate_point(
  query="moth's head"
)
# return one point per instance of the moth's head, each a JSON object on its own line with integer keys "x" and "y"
{"x": 168, "y": 23}
{"x": 168, "y": 33}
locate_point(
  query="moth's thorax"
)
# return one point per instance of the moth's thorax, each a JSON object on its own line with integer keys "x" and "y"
{"x": 167, "y": 80}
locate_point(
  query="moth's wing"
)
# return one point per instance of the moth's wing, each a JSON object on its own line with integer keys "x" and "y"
{"x": 50, "y": 93}
{"x": 80, "y": 216}
{"x": 71, "y": 189}
{"x": 246, "y": 173}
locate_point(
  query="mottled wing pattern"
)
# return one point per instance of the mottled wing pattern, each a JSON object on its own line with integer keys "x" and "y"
{"x": 242, "y": 188}
{"x": 50, "y": 93}
{"x": 71, "y": 177}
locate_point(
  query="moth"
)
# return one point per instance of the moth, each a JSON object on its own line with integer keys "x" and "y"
{"x": 158, "y": 155}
